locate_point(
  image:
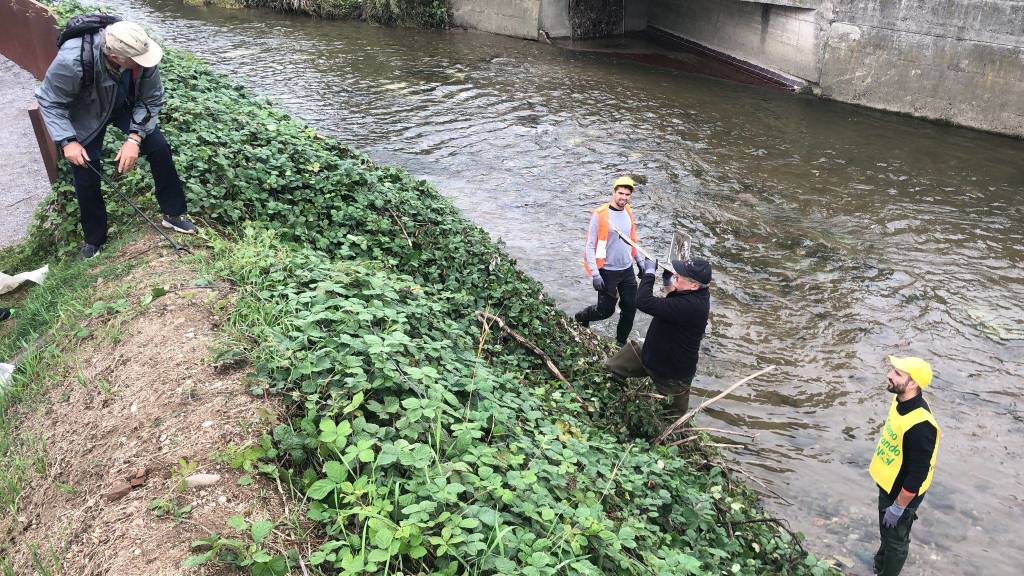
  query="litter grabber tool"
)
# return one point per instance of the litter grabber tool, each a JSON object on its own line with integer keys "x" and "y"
{"x": 178, "y": 249}
{"x": 644, "y": 253}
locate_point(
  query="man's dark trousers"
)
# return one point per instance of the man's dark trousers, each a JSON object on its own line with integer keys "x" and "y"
{"x": 618, "y": 285}
{"x": 626, "y": 363}
{"x": 895, "y": 541}
{"x": 169, "y": 193}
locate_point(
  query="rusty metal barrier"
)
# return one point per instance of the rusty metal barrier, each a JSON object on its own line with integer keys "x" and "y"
{"x": 28, "y": 37}
{"x": 46, "y": 146}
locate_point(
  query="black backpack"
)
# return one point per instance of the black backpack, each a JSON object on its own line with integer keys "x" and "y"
{"x": 85, "y": 26}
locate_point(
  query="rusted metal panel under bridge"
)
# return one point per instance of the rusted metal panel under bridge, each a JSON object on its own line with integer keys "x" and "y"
{"x": 28, "y": 37}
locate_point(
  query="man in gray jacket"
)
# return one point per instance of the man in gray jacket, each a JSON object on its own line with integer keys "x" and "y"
{"x": 124, "y": 90}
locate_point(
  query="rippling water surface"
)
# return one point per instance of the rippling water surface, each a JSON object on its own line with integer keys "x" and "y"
{"x": 838, "y": 235}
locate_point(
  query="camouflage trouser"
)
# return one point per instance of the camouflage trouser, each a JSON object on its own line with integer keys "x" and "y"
{"x": 892, "y": 553}
{"x": 626, "y": 363}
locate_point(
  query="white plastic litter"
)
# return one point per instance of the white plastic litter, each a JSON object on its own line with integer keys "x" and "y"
{"x": 6, "y": 372}
{"x": 8, "y": 283}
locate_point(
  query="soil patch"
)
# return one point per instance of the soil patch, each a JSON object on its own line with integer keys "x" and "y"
{"x": 140, "y": 393}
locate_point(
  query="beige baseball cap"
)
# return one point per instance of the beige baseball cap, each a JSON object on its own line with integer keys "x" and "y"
{"x": 129, "y": 40}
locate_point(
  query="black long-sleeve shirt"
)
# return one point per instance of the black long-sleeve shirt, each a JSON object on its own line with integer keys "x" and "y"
{"x": 678, "y": 324}
{"x": 918, "y": 445}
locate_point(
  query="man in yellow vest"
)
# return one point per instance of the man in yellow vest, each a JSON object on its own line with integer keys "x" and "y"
{"x": 608, "y": 261}
{"x": 904, "y": 460}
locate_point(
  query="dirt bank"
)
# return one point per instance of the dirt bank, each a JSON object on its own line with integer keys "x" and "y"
{"x": 134, "y": 389}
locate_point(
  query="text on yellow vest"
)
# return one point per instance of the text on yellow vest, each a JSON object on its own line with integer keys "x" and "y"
{"x": 888, "y": 458}
{"x": 601, "y": 241}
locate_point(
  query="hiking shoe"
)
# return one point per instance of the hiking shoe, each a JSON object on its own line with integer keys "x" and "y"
{"x": 179, "y": 224}
{"x": 6, "y": 313}
{"x": 89, "y": 250}
{"x": 582, "y": 319}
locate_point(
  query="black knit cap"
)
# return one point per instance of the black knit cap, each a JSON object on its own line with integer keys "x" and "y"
{"x": 697, "y": 269}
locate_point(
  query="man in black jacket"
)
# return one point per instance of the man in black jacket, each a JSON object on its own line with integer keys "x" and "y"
{"x": 670, "y": 350}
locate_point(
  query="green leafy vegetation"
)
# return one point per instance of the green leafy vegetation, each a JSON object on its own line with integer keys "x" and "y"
{"x": 419, "y": 454}
{"x": 421, "y": 13}
{"x": 167, "y": 506}
{"x": 422, "y": 443}
{"x": 247, "y": 552}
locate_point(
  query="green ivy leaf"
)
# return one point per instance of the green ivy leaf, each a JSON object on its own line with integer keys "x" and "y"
{"x": 198, "y": 560}
{"x": 260, "y": 530}
{"x": 469, "y": 523}
{"x": 357, "y": 400}
{"x": 335, "y": 471}
{"x": 261, "y": 557}
{"x": 417, "y": 552}
{"x": 320, "y": 489}
{"x": 389, "y": 454}
{"x": 328, "y": 430}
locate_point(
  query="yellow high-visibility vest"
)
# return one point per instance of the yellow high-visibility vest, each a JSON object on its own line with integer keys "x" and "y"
{"x": 888, "y": 458}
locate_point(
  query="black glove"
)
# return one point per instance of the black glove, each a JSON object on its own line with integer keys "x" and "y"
{"x": 666, "y": 278}
{"x": 598, "y": 283}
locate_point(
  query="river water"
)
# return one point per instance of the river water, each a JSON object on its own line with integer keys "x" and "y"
{"x": 838, "y": 235}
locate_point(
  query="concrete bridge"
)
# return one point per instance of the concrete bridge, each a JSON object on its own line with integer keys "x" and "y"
{"x": 957, "y": 61}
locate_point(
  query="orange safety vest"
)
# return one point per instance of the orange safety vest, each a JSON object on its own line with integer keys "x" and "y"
{"x": 601, "y": 241}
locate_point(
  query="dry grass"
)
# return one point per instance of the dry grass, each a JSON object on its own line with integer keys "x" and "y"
{"x": 139, "y": 393}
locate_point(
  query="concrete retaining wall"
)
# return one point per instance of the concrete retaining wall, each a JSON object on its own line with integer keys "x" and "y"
{"x": 959, "y": 61}
{"x": 635, "y": 15}
{"x": 520, "y": 18}
{"x": 778, "y": 37}
{"x": 554, "y": 18}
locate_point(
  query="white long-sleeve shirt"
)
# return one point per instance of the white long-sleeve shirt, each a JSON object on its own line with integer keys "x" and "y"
{"x": 620, "y": 254}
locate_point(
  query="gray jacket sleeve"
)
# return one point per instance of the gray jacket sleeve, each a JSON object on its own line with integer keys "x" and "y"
{"x": 588, "y": 249}
{"x": 59, "y": 89}
{"x": 150, "y": 98}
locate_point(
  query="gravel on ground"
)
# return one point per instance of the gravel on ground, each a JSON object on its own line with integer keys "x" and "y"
{"x": 23, "y": 181}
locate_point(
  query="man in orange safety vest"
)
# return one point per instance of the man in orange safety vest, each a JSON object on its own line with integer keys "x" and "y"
{"x": 608, "y": 261}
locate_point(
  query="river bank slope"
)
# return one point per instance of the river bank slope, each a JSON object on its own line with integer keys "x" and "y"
{"x": 422, "y": 440}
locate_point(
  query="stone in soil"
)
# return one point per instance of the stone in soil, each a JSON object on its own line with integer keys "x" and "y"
{"x": 200, "y": 480}
{"x": 118, "y": 490}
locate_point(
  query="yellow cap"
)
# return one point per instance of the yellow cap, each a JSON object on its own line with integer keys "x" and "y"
{"x": 919, "y": 370}
{"x": 624, "y": 181}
